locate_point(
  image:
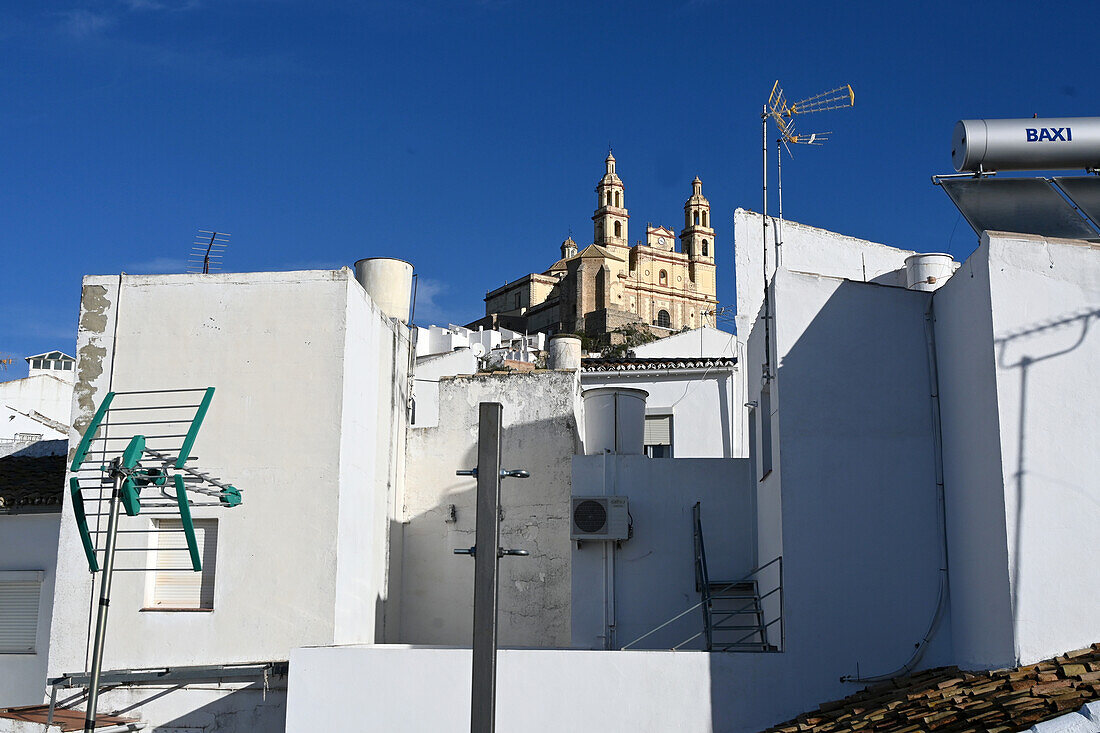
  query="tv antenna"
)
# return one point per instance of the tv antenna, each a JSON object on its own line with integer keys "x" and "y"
{"x": 782, "y": 113}
{"x": 207, "y": 251}
{"x": 139, "y": 465}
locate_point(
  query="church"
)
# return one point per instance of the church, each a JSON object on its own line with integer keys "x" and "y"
{"x": 611, "y": 283}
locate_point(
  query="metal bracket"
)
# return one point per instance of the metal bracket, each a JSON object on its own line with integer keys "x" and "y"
{"x": 501, "y": 552}
{"x": 504, "y": 473}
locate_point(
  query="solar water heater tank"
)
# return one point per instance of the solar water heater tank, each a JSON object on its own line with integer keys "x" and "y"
{"x": 1042, "y": 143}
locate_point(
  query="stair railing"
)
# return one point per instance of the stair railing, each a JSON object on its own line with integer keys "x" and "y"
{"x": 702, "y": 585}
{"x": 702, "y": 577}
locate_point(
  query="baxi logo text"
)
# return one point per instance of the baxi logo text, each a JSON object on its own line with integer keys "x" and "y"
{"x": 1049, "y": 133}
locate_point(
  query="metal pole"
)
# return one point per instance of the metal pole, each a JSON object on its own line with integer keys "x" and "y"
{"x": 764, "y": 217}
{"x": 486, "y": 565}
{"x": 779, "y": 224}
{"x": 104, "y": 600}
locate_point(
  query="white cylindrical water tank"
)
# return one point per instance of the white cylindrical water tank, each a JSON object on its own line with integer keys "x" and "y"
{"x": 928, "y": 271}
{"x": 1042, "y": 143}
{"x": 614, "y": 420}
{"x": 565, "y": 352}
{"x": 388, "y": 282}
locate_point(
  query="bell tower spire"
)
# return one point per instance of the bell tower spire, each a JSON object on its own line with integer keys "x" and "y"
{"x": 611, "y": 217}
{"x": 697, "y": 238}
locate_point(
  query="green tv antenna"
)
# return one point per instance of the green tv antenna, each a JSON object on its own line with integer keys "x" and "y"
{"x": 133, "y": 461}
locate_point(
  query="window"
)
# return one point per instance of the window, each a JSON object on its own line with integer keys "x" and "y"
{"x": 19, "y": 591}
{"x": 663, "y": 277}
{"x": 37, "y": 364}
{"x": 705, "y": 219}
{"x": 705, "y": 248}
{"x": 68, "y": 366}
{"x": 57, "y": 366}
{"x": 619, "y": 199}
{"x": 765, "y": 431}
{"x": 658, "y": 436}
{"x": 174, "y": 585}
{"x": 618, "y": 229}
{"x": 607, "y": 198}
{"x": 663, "y": 320}
{"x": 696, "y": 218}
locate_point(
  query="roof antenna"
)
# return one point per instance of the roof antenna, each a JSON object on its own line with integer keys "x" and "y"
{"x": 207, "y": 251}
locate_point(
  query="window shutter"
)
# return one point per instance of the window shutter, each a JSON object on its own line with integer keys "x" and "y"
{"x": 176, "y": 585}
{"x": 658, "y": 430}
{"x": 19, "y": 593}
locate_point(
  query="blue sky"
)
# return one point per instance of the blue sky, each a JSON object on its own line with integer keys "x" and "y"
{"x": 467, "y": 136}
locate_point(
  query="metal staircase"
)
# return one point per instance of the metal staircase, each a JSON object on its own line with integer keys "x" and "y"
{"x": 733, "y": 616}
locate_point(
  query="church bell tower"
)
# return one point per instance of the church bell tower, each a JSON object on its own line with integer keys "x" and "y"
{"x": 610, "y": 218}
{"x": 697, "y": 238}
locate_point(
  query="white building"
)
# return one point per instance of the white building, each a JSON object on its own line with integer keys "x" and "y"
{"x": 37, "y": 407}
{"x": 696, "y": 395}
{"x": 308, "y": 420}
{"x": 910, "y": 489}
{"x": 916, "y": 494}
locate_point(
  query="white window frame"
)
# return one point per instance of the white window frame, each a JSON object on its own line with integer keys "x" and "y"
{"x": 671, "y": 429}
{"x": 13, "y": 584}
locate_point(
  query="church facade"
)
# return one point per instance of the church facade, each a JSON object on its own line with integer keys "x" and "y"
{"x": 611, "y": 283}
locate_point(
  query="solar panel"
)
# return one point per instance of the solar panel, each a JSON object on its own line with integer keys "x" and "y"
{"x": 1024, "y": 205}
{"x": 1085, "y": 192}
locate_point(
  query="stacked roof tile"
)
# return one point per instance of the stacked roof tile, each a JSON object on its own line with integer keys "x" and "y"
{"x": 638, "y": 364}
{"x": 947, "y": 700}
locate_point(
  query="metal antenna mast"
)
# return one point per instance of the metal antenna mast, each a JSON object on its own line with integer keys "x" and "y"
{"x": 782, "y": 113}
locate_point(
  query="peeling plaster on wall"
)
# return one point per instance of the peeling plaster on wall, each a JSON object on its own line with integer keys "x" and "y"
{"x": 540, "y": 434}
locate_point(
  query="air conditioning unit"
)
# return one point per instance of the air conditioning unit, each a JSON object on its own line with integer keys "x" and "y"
{"x": 599, "y": 518}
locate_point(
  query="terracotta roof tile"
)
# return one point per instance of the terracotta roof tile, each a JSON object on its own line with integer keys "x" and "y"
{"x": 949, "y": 701}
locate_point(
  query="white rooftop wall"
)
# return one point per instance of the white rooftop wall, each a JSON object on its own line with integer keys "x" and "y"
{"x": 1020, "y": 404}
{"x": 426, "y": 375}
{"x": 805, "y": 249}
{"x": 704, "y": 341}
{"x": 654, "y": 571}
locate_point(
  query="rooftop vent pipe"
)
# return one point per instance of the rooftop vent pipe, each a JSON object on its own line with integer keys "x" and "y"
{"x": 929, "y": 271}
{"x": 565, "y": 352}
{"x": 614, "y": 420}
{"x": 388, "y": 283}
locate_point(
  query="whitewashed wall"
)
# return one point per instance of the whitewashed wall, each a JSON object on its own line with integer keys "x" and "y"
{"x": 650, "y": 578}
{"x": 981, "y": 602}
{"x": 304, "y": 365}
{"x": 1034, "y": 495}
{"x": 28, "y": 542}
{"x": 540, "y": 434}
{"x": 805, "y": 249}
{"x": 429, "y": 370}
{"x": 705, "y": 341}
{"x": 861, "y": 537}
{"x": 538, "y": 690}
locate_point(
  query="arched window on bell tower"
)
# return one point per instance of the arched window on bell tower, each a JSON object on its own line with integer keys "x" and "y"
{"x": 706, "y": 249}
{"x": 619, "y": 229}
